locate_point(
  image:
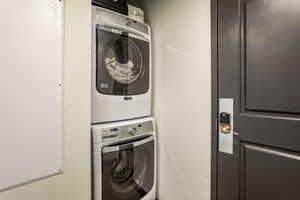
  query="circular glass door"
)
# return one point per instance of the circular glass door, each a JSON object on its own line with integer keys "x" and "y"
{"x": 123, "y": 60}
{"x": 128, "y": 171}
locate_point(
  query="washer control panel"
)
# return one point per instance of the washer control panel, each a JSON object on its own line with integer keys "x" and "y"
{"x": 122, "y": 132}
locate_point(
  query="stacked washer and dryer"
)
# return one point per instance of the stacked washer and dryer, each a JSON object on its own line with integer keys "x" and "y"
{"x": 123, "y": 131}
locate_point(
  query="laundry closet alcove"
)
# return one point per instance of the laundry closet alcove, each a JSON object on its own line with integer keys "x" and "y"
{"x": 31, "y": 85}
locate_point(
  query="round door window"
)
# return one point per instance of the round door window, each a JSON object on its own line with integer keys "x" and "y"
{"x": 123, "y": 60}
{"x": 129, "y": 170}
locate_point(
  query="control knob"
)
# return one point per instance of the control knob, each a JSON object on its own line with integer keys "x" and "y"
{"x": 132, "y": 131}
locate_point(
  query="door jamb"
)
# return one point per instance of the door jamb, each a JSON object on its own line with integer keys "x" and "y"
{"x": 214, "y": 98}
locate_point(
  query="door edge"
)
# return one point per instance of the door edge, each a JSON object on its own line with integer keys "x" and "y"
{"x": 214, "y": 98}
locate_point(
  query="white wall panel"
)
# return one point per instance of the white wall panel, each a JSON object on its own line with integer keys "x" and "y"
{"x": 31, "y": 86}
{"x": 74, "y": 183}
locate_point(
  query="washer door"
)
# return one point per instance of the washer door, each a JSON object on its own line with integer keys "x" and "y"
{"x": 122, "y": 62}
{"x": 128, "y": 170}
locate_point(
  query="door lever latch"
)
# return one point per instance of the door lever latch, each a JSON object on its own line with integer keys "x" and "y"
{"x": 225, "y": 123}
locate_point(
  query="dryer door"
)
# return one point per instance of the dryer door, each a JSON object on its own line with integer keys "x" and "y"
{"x": 128, "y": 170}
{"x": 122, "y": 62}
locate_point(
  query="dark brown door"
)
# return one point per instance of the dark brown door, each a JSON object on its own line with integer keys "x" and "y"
{"x": 259, "y": 69}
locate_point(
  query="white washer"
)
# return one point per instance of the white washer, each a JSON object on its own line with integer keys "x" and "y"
{"x": 124, "y": 160}
{"x": 121, "y": 67}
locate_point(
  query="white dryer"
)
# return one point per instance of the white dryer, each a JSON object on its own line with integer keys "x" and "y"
{"x": 124, "y": 160}
{"x": 121, "y": 67}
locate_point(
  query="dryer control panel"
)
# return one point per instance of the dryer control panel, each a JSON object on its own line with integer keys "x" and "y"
{"x": 103, "y": 16}
{"x": 127, "y": 131}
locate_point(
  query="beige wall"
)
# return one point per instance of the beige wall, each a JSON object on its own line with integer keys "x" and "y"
{"x": 74, "y": 184}
{"x": 181, "y": 54}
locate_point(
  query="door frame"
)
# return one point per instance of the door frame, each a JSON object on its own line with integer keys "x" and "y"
{"x": 214, "y": 98}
